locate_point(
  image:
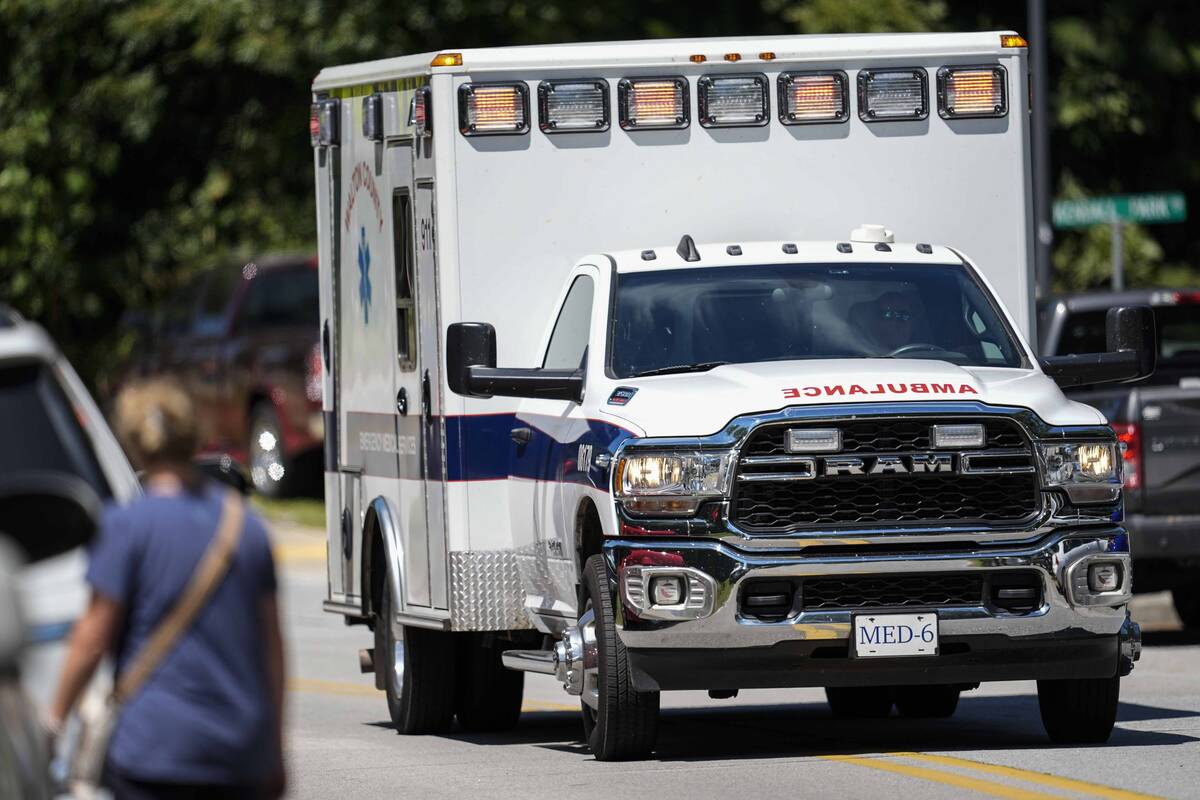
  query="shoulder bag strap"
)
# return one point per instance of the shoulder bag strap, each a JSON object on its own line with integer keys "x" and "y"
{"x": 208, "y": 574}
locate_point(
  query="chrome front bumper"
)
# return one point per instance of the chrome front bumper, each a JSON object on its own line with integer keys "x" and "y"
{"x": 1069, "y": 609}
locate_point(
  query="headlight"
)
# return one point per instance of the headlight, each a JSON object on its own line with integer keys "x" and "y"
{"x": 1090, "y": 472}
{"x": 671, "y": 484}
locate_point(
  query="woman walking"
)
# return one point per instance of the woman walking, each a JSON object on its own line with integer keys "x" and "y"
{"x": 183, "y": 597}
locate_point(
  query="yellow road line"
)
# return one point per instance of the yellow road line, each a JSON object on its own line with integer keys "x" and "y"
{"x": 367, "y": 690}
{"x": 294, "y": 552}
{"x": 1055, "y": 781}
{"x": 949, "y": 778}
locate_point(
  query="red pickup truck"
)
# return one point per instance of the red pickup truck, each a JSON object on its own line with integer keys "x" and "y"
{"x": 244, "y": 341}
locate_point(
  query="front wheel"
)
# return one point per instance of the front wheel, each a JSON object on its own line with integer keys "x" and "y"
{"x": 1079, "y": 710}
{"x": 1187, "y": 604}
{"x": 618, "y": 722}
{"x": 417, "y": 672}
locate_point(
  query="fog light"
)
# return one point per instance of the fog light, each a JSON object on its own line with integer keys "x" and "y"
{"x": 667, "y": 590}
{"x": 1104, "y": 577}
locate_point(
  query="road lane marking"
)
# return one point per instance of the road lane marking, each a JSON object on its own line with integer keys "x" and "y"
{"x": 1055, "y": 781}
{"x": 299, "y": 552}
{"x": 937, "y": 776}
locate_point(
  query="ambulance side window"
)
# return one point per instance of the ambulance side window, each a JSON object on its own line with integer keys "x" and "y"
{"x": 406, "y": 284}
{"x": 569, "y": 341}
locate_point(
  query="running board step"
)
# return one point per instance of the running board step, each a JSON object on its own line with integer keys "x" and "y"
{"x": 542, "y": 661}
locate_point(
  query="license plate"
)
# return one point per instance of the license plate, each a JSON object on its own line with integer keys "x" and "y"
{"x": 895, "y": 635}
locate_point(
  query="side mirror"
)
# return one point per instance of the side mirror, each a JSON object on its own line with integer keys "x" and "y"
{"x": 223, "y": 469}
{"x": 471, "y": 369}
{"x": 48, "y": 513}
{"x": 1133, "y": 352}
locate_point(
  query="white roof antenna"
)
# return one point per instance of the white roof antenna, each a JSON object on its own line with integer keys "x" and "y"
{"x": 872, "y": 233}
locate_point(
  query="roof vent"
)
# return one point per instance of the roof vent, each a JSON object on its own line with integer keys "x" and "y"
{"x": 687, "y": 249}
{"x": 734, "y": 250}
{"x": 844, "y": 247}
{"x": 872, "y": 233}
{"x": 789, "y": 248}
{"x": 647, "y": 255}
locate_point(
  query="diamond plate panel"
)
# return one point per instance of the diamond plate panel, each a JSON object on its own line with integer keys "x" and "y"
{"x": 485, "y": 591}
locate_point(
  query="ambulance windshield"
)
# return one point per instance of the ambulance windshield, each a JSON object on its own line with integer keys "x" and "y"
{"x": 691, "y": 319}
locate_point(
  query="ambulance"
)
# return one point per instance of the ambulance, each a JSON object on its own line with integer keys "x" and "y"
{"x": 705, "y": 364}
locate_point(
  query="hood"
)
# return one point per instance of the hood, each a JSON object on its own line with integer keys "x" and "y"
{"x": 699, "y": 404}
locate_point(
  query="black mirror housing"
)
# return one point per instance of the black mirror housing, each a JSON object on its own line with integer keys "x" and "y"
{"x": 468, "y": 344}
{"x": 48, "y": 513}
{"x": 471, "y": 369}
{"x": 1133, "y": 352}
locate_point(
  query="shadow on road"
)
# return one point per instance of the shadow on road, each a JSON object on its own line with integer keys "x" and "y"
{"x": 800, "y": 729}
{"x": 1170, "y": 638}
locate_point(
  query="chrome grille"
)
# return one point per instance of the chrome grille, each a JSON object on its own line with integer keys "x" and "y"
{"x": 776, "y": 491}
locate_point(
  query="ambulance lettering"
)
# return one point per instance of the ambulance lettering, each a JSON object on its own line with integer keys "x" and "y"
{"x": 890, "y": 388}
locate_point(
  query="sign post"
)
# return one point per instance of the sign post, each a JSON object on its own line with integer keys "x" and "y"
{"x": 1116, "y": 210}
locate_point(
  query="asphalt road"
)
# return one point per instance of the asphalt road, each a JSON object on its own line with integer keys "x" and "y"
{"x": 765, "y": 743}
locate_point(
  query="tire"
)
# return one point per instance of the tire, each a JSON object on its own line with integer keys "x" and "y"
{"x": 273, "y": 472}
{"x": 926, "y": 702}
{"x": 420, "y": 697}
{"x": 859, "y": 702}
{"x": 1079, "y": 710}
{"x": 1187, "y": 604}
{"x": 489, "y": 694}
{"x": 624, "y": 725}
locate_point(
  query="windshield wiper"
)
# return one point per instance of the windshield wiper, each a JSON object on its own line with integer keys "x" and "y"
{"x": 702, "y": 366}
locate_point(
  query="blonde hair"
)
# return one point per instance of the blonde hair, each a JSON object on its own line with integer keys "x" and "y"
{"x": 156, "y": 422}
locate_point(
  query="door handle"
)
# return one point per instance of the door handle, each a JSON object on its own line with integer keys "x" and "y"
{"x": 426, "y": 395}
{"x": 402, "y": 402}
{"x": 521, "y": 436}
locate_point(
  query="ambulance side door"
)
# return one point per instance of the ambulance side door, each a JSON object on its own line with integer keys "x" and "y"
{"x": 545, "y": 450}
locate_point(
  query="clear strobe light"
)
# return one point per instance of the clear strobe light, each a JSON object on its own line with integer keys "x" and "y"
{"x": 733, "y": 101}
{"x": 571, "y": 106}
{"x": 813, "y": 97}
{"x": 971, "y": 92}
{"x": 653, "y": 103}
{"x": 493, "y": 108}
{"x": 892, "y": 94}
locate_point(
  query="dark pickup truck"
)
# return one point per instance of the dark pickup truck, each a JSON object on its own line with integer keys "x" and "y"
{"x": 1158, "y": 420}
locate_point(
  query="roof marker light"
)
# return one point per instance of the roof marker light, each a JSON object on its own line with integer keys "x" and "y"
{"x": 447, "y": 60}
{"x": 806, "y": 98}
{"x": 733, "y": 101}
{"x": 965, "y": 92}
{"x": 1012, "y": 40}
{"x": 653, "y": 102}
{"x": 733, "y": 56}
{"x": 767, "y": 56}
{"x": 892, "y": 94}
{"x": 493, "y": 108}
{"x": 698, "y": 58}
{"x": 573, "y": 106}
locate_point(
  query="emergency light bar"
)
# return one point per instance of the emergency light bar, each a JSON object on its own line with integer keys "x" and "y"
{"x": 573, "y": 106}
{"x": 372, "y": 123}
{"x": 323, "y": 123}
{"x": 653, "y": 103}
{"x": 892, "y": 94}
{"x": 971, "y": 92}
{"x": 422, "y": 112}
{"x": 493, "y": 109}
{"x": 806, "y": 98}
{"x": 733, "y": 101}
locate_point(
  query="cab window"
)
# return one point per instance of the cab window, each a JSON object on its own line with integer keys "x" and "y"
{"x": 569, "y": 341}
{"x": 406, "y": 294}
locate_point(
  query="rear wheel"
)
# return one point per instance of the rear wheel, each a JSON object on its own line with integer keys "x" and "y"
{"x": 926, "y": 702}
{"x": 618, "y": 722}
{"x": 1187, "y": 603}
{"x": 273, "y": 472}
{"x": 1079, "y": 710}
{"x": 417, "y": 667}
{"x": 489, "y": 695}
{"x": 859, "y": 702}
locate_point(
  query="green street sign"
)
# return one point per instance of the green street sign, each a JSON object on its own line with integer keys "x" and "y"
{"x": 1160, "y": 207}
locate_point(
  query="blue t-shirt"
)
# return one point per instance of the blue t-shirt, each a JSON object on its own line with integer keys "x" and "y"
{"x": 204, "y": 715}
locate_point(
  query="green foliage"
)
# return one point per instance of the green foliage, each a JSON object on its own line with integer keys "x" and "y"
{"x": 143, "y": 140}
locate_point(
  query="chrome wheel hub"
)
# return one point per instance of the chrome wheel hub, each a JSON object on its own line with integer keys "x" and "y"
{"x": 577, "y": 660}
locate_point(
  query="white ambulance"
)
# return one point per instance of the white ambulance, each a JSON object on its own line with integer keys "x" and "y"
{"x": 736, "y": 438}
